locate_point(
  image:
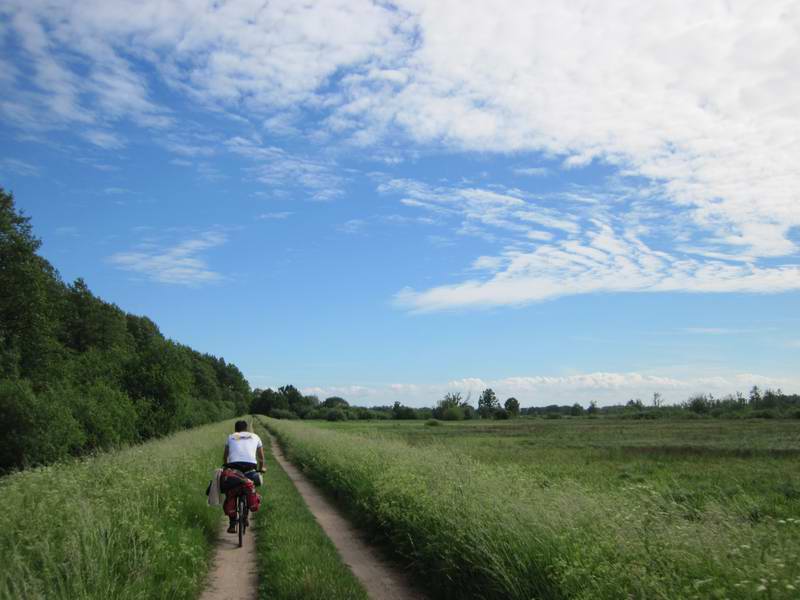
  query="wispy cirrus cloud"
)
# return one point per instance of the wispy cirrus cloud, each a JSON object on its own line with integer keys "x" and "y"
{"x": 181, "y": 263}
{"x": 277, "y": 167}
{"x": 560, "y": 244}
{"x": 532, "y": 171}
{"x": 274, "y": 216}
{"x": 20, "y": 167}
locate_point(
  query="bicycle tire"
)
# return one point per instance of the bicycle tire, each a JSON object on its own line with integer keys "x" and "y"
{"x": 240, "y": 514}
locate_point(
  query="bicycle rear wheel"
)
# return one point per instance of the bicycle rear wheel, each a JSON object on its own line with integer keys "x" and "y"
{"x": 242, "y": 510}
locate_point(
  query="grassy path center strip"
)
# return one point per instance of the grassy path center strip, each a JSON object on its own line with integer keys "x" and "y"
{"x": 296, "y": 560}
{"x": 381, "y": 581}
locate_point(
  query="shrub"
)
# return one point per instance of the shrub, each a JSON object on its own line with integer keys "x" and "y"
{"x": 282, "y": 413}
{"x": 501, "y": 414}
{"x": 336, "y": 414}
{"x": 35, "y": 429}
{"x": 433, "y": 423}
{"x": 453, "y": 413}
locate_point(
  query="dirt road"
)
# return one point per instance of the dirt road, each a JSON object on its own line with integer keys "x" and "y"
{"x": 233, "y": 575}
{"x": 381, "y": 580}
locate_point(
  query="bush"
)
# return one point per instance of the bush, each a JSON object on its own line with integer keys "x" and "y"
{"x": 453, "y": 413}
{"x": 763, "y": 414}
{"x": 336, "y": 414}
{"x": 433, "y": 423}
{"x": 282, "y": 413}
{"x": 501, "y": 414}
{"x": 35, "y": 430}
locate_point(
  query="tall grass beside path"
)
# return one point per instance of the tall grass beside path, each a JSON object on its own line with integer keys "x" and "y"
{"x": 132, "y": 524}
{"x": 470, "y": 529}
{"x": 296, "y": 560}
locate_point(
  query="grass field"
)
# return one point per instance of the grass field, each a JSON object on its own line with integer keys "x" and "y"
{"x": 572, "y": 508}
{"x": 296, "y": 559}
{"x": 127, "y": 524}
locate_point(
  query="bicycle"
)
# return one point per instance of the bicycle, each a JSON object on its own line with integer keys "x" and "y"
{"x": 242, "y": 508}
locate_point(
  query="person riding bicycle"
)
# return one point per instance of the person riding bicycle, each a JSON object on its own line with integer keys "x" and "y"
{"x": 244, "y": 452}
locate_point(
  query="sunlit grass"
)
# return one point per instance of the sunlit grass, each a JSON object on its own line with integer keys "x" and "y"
{"x": 127, "y": 524}
{"x": 296, "y": 559}
{"x": 475, "y": 512}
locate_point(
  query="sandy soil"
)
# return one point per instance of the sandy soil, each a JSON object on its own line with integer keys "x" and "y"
{"x": 233, "y": 575}
{"x": 381, "y": 580}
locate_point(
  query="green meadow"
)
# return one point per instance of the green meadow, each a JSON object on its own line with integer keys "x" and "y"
{"x": 571, "y": 508}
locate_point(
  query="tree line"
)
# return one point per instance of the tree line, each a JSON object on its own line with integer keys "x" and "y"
{"x": 288, "y": 403}
{"x": 78, "y": 374}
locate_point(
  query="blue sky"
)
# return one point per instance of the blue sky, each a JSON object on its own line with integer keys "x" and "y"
{"x": 392, "y": 201}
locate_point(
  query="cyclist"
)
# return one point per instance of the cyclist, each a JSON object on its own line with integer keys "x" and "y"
{"x": 243, "y": 452}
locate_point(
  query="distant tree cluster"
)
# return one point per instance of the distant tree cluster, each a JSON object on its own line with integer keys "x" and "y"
{"x": 767, "y": 404}
{"x": 454, "y": 407}
{"x": 78, "y": 374}
{"x": 288, "y": 403}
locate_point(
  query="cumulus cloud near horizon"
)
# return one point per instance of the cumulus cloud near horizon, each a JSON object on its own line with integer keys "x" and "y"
{"x": 604, "y": 388}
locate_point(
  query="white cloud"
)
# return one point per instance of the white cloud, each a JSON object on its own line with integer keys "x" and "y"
{"x": 539, "y": 390}
{"x": 276, "y": 167}
{"x": 701, "y": 99}
{"x": 603, "y": 261}
{"x": 272, "y": 216}
{"x": 105, "y": 139}
{"x": 532, "y": 171}
{"x": 179, "y": 264}
{"x": 353, "y": 226}
{"x": 695, "y": 103}
{"x": 20, "y": 167}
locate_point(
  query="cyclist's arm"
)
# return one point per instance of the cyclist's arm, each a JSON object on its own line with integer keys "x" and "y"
{"x": 225, "y": 455}
{"x": 260, "y": 458}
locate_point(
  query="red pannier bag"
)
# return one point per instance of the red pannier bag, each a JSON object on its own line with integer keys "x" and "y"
{"x": 234, "y": 483}
{"x": 253, "y": 501}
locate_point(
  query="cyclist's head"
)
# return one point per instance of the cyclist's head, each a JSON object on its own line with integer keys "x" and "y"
{"x": 241, "y": 426}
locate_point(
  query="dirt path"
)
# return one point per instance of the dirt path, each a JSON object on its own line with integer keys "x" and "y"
{"x": 382, "y": 581}
{"x": 233, "y": 575}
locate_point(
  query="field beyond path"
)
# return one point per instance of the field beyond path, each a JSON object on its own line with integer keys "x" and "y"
{"x": 233, "y": 574}
{"x": 381, "y": 581}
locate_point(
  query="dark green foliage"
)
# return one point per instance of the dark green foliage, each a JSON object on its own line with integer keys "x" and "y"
{"x": 78, "y": 374}
{"x": 453, "y": 413}
{"x": 512, "y": 407}
{"x": 576, "y": 410}
{"x": 282, "y": 413}
{"x": 487, "y": 403}
{"x": 403, "y": 412}
{"x": 449, "y": 407}
{"x": 502, "y": 414}
{"x": 335, "y": 402}
{"x": 336, "y": 414}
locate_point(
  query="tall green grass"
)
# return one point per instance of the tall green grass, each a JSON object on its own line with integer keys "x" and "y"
{"x": 489, "y": 530}
{"x": 296, "y": 559}
{"x": 132, "y": 524}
